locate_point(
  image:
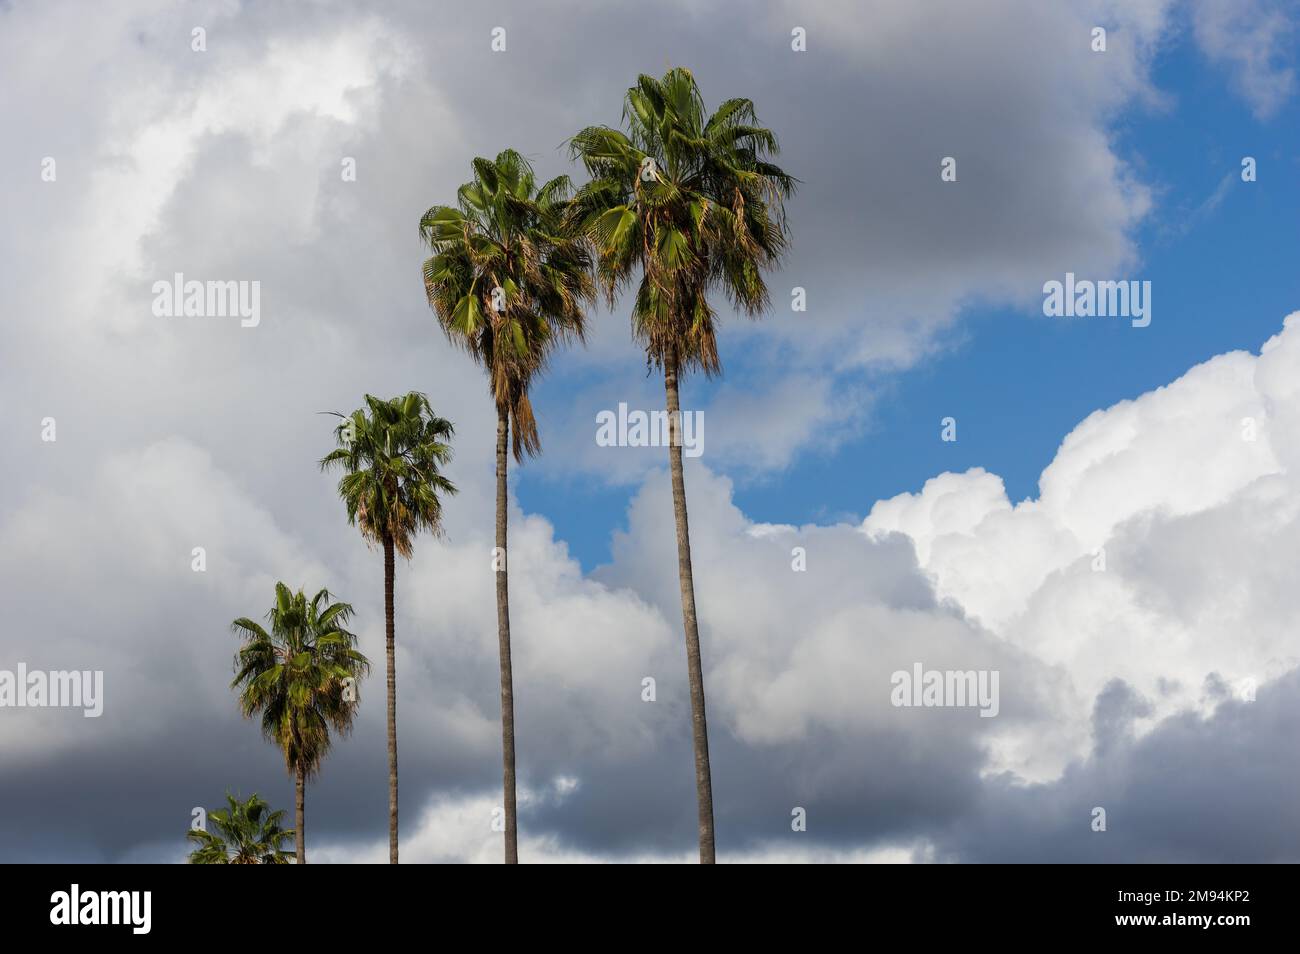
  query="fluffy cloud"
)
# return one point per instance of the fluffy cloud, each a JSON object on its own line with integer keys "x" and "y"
{"x": 1253, "y": 40}
{"x": 1154, "y": 552}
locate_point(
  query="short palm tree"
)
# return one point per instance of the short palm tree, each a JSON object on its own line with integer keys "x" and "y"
{"x": 508, "y": 282}
{"x": 390, "y": 453}
{"x": 247, "y": 833}
{"x": 301, "y": 677}
{"x": 689, "y": 203}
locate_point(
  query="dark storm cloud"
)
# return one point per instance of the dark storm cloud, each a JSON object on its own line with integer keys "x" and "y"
{"x": 1194, "y": 790}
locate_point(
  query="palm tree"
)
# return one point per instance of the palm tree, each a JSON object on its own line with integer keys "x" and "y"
{"x": 297, "y": 676}
{"x": 691, "y": 203}
{"x": 508, "y": 283}
{"x": 248, "y": 833}
{"x": 390, "y": 453}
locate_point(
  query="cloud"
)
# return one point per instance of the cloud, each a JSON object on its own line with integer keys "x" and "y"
{"x": 458, "y": 831}
{"x": 224, "y": 164}
{"x": 1253, "y": 41}
{"x": 1158, "y": 531}
{"x": 1196, "y": 789}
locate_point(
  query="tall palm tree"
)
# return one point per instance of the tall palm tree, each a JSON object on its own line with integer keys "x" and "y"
{"x": 296, "y": 676}
{"x": 689, "y": 202}
{"x": 248, "y": 833}
{"x": 508, "y": 282}
{"x": 390, "y": 453}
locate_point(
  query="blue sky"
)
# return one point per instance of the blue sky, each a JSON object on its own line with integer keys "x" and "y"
{"x": 1222, "y": 261}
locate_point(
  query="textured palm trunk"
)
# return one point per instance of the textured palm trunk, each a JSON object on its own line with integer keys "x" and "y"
{"x": 503, "y": 643}
{"x": 392, "y": 700}
{"x": 695, "y": 673}
{"x": 300, "y": 814}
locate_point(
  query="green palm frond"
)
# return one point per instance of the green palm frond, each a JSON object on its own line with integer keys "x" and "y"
{"x": 509, "y": 278}
{"x": 293, "y": 674}
{"x": 690, "y": 202}
{"x": 246, "y": 833}
{"x": 391, "y": 453}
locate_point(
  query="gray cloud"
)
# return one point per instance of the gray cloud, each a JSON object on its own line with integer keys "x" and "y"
{"x": 1194, "y": 790}
{"x": 1254, "y": 41}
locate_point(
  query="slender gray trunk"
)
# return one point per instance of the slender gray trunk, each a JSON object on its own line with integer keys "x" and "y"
{"x": 300, "y": 814}
{"x": 699, "y": 724}
{"x": 389, "y": 571}
{"x": 503, "y": 644}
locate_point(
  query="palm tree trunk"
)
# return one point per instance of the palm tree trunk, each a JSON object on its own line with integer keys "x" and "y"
{"x": 699, "y": 725}
{"x": 300, "y": 815}
{"x": 392, "y": 700}
{"x": 503, "y": 644}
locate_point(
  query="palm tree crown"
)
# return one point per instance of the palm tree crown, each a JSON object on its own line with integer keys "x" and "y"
{"x": 390, "y": 458}
{"x": 692, "y": 202}
{"x": 247, "y": 833}
{"x": 295, "y": 674}
{"x": 507, "y": 280}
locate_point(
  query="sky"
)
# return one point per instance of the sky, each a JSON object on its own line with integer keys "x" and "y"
{"x": 1114, "y": 529}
